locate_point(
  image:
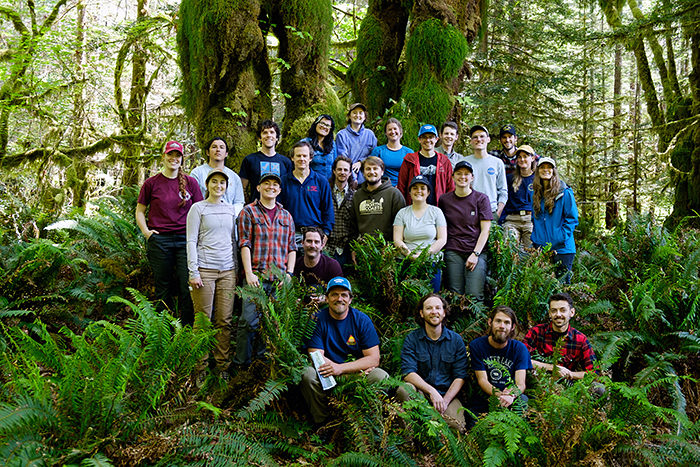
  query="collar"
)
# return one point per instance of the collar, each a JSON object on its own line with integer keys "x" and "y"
{"x": 444, "y": 336}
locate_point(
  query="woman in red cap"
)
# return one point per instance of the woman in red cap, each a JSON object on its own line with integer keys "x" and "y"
{"x": 167, "y": 198}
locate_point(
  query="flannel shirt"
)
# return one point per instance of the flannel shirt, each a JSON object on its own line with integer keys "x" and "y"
{"x": 269, "y": 243}
{"x": 576, "y": 353}
{"x": 339, "y": 237}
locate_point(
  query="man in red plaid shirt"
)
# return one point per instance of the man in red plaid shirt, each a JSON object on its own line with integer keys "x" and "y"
{"x": 577, "y": 355}
{"x": 266, "y": 240}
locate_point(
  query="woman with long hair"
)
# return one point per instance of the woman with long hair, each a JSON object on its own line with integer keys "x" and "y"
{"x": 554, "y": 216}
{"x": 420, "y": 226}
{"x": 320, "y": 136}
{"x": 517, "y": 214}
{"x": 393, "y": 152}
{"x": 211, "y": 260}
{"x": 167, "y": 198}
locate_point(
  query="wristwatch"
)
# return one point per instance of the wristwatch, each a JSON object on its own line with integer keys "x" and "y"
{"x": 476, "y": 253}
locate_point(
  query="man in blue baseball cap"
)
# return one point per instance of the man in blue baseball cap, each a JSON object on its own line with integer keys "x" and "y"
{"x": 434, "y": 166}
{"x": 342, "y": 332}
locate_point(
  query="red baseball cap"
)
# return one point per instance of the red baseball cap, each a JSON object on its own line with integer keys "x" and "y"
{"x": 174, "y": 146}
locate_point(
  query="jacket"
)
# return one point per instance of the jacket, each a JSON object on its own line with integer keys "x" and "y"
{"x": 411, "y": 167}
{"x": 558, "y": 227}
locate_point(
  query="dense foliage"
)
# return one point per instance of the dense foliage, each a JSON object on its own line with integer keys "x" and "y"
{"x": 113, "y": 387}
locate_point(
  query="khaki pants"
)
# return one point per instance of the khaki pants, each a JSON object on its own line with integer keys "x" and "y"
{"x": 454, "y": 414}
{"x": 216, "y": 297}
{"x": 317, "y": 399}
{"x": 520, "y": 228}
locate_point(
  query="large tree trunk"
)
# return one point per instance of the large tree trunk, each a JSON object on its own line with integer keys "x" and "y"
{"x": 375, "y": 76}
{"x": 303, "y": 28}
{"x": 226, "y": 80}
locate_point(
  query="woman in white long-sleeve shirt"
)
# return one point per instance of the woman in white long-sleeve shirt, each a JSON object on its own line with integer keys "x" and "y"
{"x": 211, "y": 260}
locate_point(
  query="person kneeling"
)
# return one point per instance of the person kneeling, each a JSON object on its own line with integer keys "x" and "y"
{"x": 434, "y": 361}
{"x": 341, "y": 332}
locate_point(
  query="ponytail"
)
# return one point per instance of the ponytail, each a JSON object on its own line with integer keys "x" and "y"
{"x": 182, "y": 185}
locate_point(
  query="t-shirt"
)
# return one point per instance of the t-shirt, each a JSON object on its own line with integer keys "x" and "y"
{"x": 258, "y": 163}
{"x": 162, "y": 196}
{"x": 464, "y": 216}
{"x": 392, "y": 160}
{"x": 319, "y": 275}
{"x": 428, "y": 169}
{"x": 500, "y": 365}
{"x": 343, "y": 339}
{"x": 490, "y": 179}
{"x": 420, "y": 233}
{"x": 520, "y": 200}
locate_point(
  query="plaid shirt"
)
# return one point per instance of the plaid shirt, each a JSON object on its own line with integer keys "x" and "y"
{"x": 338, "y": 239}
{"x": 269, "y": 242}
{"x": 576, "y": 353}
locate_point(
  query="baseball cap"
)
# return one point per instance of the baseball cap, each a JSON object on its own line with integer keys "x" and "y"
{"x": 510, "y": 128}
{"x": 216, "y": 172}
{"x": 173, "y": 146}
{"x": 267, "y": 175}
{"x": 547, "y": 160}
{"x": 338, "y": 281}
{"x": 420, "y": 179}
{"x": 463, "y": 165}
{"x": 525, "y": 148}
{"x": 427, "y": 128}
{"x": 478, "y": 127}
{"x": 356, "y": 105}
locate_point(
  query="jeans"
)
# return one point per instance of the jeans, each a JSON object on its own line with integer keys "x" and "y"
{"x": 461, "y": 281}
{"x": 248, "y": 344}
{"x": 564, "y": 262}
{"x": 216, "y": 296}
{"x": 167, "y": 255}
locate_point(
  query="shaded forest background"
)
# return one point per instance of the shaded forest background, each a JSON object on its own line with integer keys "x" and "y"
{"x": 91, "y": 90}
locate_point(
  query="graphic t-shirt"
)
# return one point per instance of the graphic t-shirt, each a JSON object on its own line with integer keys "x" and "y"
{"x": 258, "y": 163}
{"x": 428, "y": 168}
{"x": 345, "y": 338}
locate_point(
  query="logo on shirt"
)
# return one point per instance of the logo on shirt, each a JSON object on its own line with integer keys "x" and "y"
{"x": 270, "y": 167}
{"x": 186, "y": 197}
{"x": 312, "y": 188}
{"x": 428, "y": 170}
{"x": 370, "y": 206}
{"x": 473, "y": 213}
{"x": 351, "y": 340}
{"x": 529, "y": 187}
{"x": 491, "y": 171}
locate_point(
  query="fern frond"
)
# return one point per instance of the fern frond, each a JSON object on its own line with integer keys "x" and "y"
{"x": 272, "y": 391}
{"x": 358, "y": 459}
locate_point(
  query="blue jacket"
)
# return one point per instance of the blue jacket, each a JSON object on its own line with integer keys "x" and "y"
{"x": 321, "y": 163}
{"x": 558, "y": 227}
{"x": 310, "y": 203}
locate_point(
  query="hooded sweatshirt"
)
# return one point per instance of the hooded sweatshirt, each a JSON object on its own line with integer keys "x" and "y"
{"x": 375, "y": 210}
{"x": 558, "y": 227}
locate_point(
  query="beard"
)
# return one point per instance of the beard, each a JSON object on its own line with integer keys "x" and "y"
{"x": 499, "y": 337}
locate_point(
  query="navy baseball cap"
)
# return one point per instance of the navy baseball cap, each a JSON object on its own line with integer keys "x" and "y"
{"x": 463, "y": 165}
{"x": 420, "y": 179}
{"x": 510, "y": 128}
{"x": 427, "y": 128}
{"x": 338, "y": 281}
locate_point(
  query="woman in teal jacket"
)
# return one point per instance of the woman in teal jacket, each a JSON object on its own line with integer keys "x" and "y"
{"x": 554, "y": 216}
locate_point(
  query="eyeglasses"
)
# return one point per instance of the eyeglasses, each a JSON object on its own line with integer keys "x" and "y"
{"x": 324, "y": 125}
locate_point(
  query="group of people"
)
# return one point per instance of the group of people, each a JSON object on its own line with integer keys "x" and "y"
{"x": 331, "y": 190}
{"x": 435, "y": 362}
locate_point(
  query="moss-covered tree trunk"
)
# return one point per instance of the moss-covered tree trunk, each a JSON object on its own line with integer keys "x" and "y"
{"x": 226, "y": 76}
{"x": 303, "y": 28}
{"x": 375, "y": 76}
{"x": 437, "y": 46}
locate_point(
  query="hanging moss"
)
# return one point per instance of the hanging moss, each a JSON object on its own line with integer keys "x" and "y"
{"x": 436, "y": 47}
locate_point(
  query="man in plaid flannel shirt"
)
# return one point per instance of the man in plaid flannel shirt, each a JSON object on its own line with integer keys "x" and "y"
{"x": 577, "y": 355}
{"x": 266, "y": 240}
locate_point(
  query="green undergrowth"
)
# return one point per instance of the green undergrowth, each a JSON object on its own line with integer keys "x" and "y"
{"x": 87, "y": 380}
